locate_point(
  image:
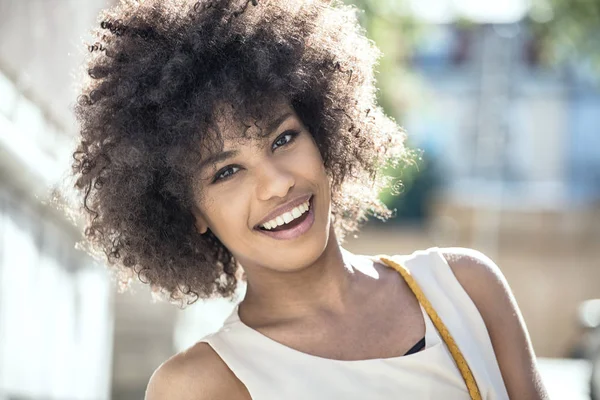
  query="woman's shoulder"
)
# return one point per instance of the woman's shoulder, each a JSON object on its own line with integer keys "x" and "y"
{"x": 197, "y": 373}
{"x": 476, "y": 273}
{"x": 467, "y": 264}
{"x": 481, "y": 278}
{"x": 484, "y": 282}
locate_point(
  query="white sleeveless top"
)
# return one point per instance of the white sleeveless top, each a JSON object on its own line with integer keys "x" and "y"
{"x": 273, "y": 371}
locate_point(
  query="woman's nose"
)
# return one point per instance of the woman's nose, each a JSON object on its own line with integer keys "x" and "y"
{"x": 273, "y": 180}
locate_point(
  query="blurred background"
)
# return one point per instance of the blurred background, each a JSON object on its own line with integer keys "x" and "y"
{"x": 502, "y": 99}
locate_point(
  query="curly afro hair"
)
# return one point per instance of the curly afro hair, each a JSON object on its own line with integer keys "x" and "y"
{"x": 155, "y": 77}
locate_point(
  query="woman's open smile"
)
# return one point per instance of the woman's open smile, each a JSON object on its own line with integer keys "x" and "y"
{"x": 290, "y": 224}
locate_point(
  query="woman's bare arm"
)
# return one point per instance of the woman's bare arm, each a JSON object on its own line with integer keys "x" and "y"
{"x": 485, "y": 284}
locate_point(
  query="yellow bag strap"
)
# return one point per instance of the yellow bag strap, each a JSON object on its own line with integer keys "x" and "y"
{"x": 459, "y": 359}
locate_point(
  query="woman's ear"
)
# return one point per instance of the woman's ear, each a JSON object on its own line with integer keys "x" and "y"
{"x": 201, "y": 224}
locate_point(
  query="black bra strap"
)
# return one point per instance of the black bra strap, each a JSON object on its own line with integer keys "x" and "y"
{"x": 417, "y": 347}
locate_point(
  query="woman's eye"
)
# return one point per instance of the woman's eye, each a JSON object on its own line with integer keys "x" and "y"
{"x": 226, "y": 173}
{"x": 284, "y": 139}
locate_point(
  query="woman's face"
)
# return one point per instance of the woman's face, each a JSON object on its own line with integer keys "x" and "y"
{"x": 267, "y": 198}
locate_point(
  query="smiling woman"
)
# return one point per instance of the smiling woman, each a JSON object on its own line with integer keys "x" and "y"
{"x": 225, "y": 136}
{"x": 176, "y": 88}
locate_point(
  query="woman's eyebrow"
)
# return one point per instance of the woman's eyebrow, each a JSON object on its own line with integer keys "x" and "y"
{"x": 219, "y": 157}
{"x": 224, "y": 155}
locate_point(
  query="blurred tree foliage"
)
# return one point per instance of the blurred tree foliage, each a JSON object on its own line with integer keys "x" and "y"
{"x": 414, "y": 184}
{"x": 396, "y": 33}
{"x": 567, "y": 29}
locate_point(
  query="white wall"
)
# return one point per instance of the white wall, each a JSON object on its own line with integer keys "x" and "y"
{"x": 55, "y": 316}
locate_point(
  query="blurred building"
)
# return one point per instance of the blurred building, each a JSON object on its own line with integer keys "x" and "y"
{"x": 64, "y": 332}
{"x": 55, "y": 304}
{"x": 494, "y": 115}
{"x": 518, "y": 147}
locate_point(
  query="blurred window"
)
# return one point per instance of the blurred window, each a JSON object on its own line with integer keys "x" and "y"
{"x": 29, "y": 120}
{"x": 35, "y": 140}
{"x": 443, "y": 46}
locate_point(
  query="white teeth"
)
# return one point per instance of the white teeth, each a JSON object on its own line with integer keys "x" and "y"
{"x": 287, "y": 217}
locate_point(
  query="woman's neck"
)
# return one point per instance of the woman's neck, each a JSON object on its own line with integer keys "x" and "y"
{"x": 328, "y": 285}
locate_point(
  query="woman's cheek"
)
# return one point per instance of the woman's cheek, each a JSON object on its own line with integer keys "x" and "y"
{"x": 231, "y": 205}
{"x": 307, "y": 157}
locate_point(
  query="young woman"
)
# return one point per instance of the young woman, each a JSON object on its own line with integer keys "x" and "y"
{"x": 232, "y": 135}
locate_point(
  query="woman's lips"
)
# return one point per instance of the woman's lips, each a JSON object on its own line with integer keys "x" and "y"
{"x": 284, "y": 208}
{"x": 295, "y": 230}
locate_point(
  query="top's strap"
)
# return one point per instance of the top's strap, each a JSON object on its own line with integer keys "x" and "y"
{"x": 459, "y": 359}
